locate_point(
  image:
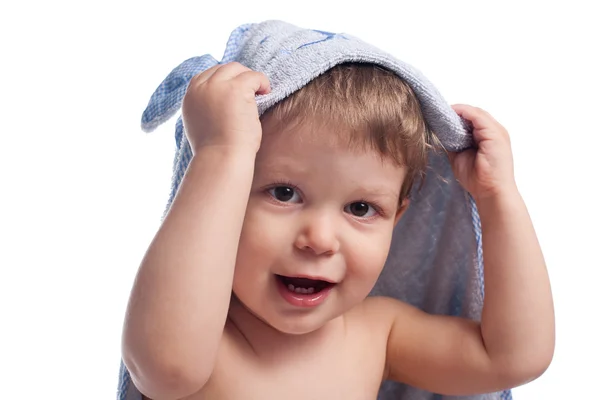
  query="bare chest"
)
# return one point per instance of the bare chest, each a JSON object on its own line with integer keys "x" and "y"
{"x": 351, "y": 369}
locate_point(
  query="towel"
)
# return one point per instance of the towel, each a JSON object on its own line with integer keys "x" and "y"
{"x": 435, "y": 260}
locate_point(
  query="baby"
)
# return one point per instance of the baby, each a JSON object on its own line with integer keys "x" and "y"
{"x": 256, "y": 284}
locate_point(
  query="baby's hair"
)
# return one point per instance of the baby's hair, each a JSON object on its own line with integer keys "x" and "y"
{"x": 367, "y": 107}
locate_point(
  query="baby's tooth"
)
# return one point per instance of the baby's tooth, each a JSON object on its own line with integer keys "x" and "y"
{"x": 300, "y": 290}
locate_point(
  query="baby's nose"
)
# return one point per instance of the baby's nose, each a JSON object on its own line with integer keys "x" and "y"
{"x": 318, "y": 235}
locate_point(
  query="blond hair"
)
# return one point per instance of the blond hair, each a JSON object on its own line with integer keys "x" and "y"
{"x": 368, "y": 107}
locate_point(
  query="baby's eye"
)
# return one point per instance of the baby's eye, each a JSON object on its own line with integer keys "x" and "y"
{"x": 285, "y": 194}
{"x": 361, "y": 209}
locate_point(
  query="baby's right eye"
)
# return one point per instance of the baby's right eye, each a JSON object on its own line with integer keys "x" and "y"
{"x": 285, "y": 194}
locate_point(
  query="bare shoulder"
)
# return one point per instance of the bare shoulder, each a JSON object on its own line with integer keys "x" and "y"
{"x": 384, "y": 311}
{"x": 377, "y": 314}
{"x": 385, "y": 305}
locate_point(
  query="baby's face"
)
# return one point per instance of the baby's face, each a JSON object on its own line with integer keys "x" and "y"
{"x": 317, "y": 230}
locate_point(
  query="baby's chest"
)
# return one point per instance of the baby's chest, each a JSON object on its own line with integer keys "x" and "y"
{"x": 345, "y": 374}
{"x": 304, "y": 383}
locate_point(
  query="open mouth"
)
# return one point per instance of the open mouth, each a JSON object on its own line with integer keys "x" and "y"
{"x": 303, "y": 285}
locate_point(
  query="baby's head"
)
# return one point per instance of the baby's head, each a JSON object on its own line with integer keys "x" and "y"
{"x": 337, "y": 162}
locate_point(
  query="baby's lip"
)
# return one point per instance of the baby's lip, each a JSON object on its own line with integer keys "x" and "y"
{"x": 311, "y": 277}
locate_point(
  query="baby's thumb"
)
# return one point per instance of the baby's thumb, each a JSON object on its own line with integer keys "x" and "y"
{"x": 462, "y": 163}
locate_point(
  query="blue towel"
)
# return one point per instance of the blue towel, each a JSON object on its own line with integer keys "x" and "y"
{"x": 435, "y": 262}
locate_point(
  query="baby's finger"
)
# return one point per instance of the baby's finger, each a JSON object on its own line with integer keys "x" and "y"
{"x": 205, "y": 75}
{"x": 256, "y": 80}
{"x": 230, "y": 71}
{"x": 480, "y": 119}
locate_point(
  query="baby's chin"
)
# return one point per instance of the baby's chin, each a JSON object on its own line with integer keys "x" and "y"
{"x": 297, "y": 324}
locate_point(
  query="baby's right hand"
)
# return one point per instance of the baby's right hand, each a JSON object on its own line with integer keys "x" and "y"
{"x": 219, "y": 108}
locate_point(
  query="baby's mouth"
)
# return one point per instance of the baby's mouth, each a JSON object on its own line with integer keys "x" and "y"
{"x": 303, "y": 285}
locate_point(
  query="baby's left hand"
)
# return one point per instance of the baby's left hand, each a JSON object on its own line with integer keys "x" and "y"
{"x": 486, "y": 171}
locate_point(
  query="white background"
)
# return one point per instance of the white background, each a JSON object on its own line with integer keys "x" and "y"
{"x": 83, "y": 188}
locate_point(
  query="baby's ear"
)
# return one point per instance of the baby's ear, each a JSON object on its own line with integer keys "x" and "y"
{"x": 401, "y": 210}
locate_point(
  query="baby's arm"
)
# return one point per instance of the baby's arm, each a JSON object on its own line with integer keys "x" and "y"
{"x": 518, "y": 314}
{"x": 514, "y": 343}
{"x": 179, "y": 302}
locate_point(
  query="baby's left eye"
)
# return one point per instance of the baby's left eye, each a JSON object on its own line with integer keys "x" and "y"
{"x": 361, "y": 209}
{"x": 285, "y": 194}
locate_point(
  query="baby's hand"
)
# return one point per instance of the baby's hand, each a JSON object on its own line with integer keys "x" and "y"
{"x": 487, "y": 170}
{"x": 219, "y": 107}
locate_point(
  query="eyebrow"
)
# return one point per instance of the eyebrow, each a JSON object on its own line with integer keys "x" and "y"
{"x": 379, "y": 191}
{"x": 276, "y": 171}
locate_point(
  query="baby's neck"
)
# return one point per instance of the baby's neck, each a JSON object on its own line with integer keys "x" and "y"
{"x": 269, "y": 343}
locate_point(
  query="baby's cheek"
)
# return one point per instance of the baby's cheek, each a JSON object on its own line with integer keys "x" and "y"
{"x": 261, "y": 237}
{"x": 367, "y": 260}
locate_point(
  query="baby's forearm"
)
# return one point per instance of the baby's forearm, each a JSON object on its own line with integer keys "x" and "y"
{"x": 518, "y": 315}
{"x": 179, "y": 302}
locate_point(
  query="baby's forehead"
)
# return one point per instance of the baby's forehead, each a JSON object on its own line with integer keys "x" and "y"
{"x": 313, "y": 132}
{"x": 307, "y": 146}
{"x": 316, "y": 153}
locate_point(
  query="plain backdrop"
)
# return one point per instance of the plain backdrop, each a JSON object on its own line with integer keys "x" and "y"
{"x": 83, "y": 188}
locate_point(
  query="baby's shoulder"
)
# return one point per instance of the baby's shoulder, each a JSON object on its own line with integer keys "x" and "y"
{"x": 379, "y": 313}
